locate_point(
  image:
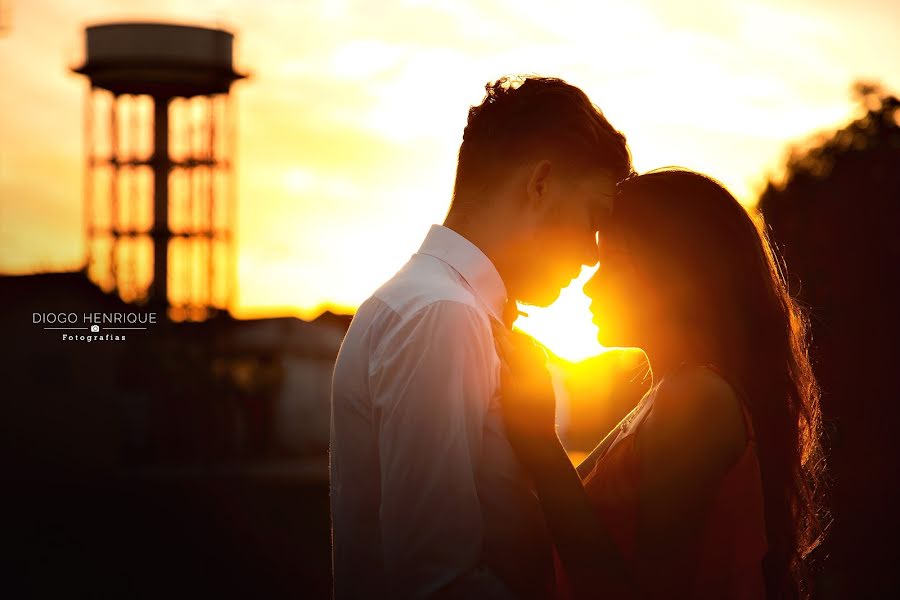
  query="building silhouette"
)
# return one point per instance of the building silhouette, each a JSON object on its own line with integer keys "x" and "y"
{"x": 188, "y": 458}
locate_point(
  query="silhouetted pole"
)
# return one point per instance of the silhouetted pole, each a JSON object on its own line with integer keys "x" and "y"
{"x": 161, "y": 233}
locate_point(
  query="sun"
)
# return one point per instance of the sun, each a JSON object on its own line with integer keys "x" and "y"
{"x": 565, "y": 326}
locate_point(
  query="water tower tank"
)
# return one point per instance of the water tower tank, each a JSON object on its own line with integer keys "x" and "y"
{"x": 159, "y": 198}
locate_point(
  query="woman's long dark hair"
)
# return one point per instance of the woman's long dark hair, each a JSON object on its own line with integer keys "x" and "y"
{"x": 692, "y": 224}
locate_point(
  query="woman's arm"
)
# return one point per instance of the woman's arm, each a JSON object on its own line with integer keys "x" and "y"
{"x": 687, "y": 444}
{"x": 691, "y": 438}
{"x": 592, "y": 562}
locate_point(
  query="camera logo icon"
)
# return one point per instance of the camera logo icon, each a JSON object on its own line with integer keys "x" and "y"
{"x": 95, "y": 328}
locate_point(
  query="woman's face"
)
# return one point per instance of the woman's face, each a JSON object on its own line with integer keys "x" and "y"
{"x": 624, "y": 305}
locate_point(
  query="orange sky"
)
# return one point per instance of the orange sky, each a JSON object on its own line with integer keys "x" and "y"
{"x": 349, "y": 125}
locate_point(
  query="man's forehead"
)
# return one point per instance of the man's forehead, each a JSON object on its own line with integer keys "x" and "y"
{"x": 602, "y": 214}
{"x": 603, "y": 202}
{"x": 603, "y": 179}
{"x": 603, "y": 188}
{"x": 602, "y": 205}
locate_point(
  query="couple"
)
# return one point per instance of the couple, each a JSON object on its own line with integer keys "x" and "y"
{"x": 448, "y": 479}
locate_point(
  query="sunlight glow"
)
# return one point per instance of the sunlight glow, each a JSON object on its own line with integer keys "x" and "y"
{"x": 565, "y": 326}
{"x": 349, "y": 125}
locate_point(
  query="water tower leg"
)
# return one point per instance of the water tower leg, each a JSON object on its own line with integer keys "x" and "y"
{"x": 161, "y": 234}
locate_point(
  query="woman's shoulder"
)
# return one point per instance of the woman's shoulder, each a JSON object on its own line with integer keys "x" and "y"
{"x": 696, "y": 406}
{"x": 697, "y": 377}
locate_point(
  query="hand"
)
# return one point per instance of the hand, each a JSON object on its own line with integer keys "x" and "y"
{"x": 527, "y": 396}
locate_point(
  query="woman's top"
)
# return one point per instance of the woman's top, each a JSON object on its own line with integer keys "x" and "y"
{"x": 727, "y": 562}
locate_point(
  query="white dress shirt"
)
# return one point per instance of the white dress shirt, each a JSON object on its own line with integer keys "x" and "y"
{"x": 426, "y": 493}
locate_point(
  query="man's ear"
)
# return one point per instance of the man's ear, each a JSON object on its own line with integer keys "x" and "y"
{"x": 538, "y": 182}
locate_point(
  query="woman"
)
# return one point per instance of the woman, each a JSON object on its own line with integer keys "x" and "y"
{"x": 708, "y": 488}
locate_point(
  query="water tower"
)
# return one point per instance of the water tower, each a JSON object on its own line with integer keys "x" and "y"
{"x": 159, "y": 197}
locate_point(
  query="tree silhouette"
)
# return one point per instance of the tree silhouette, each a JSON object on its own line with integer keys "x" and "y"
{"x": 835, "y": 217}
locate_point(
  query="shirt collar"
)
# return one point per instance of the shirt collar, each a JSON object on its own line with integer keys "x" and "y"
{"x": 471, "y": 263}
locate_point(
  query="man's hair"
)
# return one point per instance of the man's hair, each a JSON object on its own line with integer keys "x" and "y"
{"x": 530, "y": 117}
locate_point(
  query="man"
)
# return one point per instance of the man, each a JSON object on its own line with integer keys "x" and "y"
{"x": 427, "y": 497}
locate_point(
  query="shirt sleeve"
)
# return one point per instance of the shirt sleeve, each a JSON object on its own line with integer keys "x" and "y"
{"x": 431, "y": 385}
